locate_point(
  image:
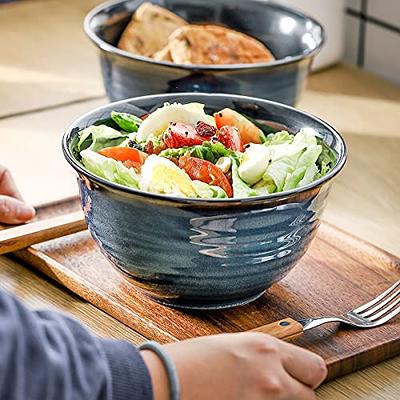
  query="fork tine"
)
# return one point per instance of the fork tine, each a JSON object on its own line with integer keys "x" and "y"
{"x": 387, "y": 309}
{"x": 377, "y": 299}
{"x": 387, "y": 317}
{"x": 380, "y": 305}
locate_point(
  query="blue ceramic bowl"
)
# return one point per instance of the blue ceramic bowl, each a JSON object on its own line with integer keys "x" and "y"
{"x": 293, "y": 38}
{"x": 198, "y": 253}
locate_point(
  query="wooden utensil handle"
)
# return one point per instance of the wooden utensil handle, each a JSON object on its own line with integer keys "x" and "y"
{"x": 286, "y": 329}
{"x": 23, "y": 236}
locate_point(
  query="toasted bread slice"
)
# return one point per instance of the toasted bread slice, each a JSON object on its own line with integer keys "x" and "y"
{"x": 213, "y": 44}
{"x": 149, "y": 30}
{"x": 163, "y": 55}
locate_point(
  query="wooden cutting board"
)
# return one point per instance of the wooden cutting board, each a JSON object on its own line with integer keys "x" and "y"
{"x": 338, "y": 273}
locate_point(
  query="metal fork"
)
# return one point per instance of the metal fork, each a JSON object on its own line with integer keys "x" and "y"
{"x": 376, "y": 312}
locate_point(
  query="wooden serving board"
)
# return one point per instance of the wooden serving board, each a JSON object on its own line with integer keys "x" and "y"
{"x": 338, "y": 273}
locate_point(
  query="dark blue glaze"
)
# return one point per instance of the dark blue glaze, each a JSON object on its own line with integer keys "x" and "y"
{"x": 199, "y": 253}
{"x": 293, "y": 38}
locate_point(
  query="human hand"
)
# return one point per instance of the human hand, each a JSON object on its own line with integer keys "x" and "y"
{"x": 13, "y": 210}
{"x": 243, "y": 366}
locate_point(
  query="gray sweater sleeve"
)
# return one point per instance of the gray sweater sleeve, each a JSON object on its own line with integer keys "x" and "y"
{"x": 48, "y": 356}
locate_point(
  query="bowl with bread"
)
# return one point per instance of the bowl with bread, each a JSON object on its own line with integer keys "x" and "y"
{"x": 253, "y": 47}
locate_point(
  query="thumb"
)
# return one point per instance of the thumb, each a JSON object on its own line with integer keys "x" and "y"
{"x": 14, "y": 211}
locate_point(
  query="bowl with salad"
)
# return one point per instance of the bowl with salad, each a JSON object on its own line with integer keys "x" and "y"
{"x": 200, "y": 200}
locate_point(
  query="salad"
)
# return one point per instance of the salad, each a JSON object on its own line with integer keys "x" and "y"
{"x": 179, "y": 150}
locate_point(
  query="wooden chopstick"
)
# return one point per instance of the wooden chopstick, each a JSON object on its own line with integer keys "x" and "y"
{"x": 23, "y": 236}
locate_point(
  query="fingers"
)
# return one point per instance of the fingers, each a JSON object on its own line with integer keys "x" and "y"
{"x": 278, "y": 384}
{"x": 14, "y": 211}
{"x": 7, "y": 185}
{"x": 299, "y": 391}
{"x": 303, "y": 365}
{"x": 12, "y": 208}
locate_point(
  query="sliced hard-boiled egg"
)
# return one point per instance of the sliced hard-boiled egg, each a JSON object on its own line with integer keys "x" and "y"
{"x": 254, "y": 163}
{"x": 224, "y": 164}
{"x": 160, "y": 175}
{"x": 157, "y": 122}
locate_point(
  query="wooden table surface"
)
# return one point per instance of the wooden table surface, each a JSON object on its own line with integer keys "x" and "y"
{"x": 49, "y": 75}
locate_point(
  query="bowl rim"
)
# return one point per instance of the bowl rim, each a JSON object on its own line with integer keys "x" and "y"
{"x": 108, "y": 48}
{"x": 342, "y": 158}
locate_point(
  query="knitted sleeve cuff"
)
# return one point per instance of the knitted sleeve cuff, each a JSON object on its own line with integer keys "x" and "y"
{"x": 130, "y": 376}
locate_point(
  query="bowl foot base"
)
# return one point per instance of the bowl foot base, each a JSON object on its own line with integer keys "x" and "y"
{"x": 176, "y": 303}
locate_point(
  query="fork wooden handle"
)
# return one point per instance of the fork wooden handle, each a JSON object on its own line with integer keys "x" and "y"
{"x": 23, "y": 236}
{"x": 286, "y": 329}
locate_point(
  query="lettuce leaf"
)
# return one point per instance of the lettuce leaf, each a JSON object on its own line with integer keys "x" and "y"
{"x": 98, "y": 137}
{"x": 310, "y": 175}
{"x": 280, "y": 168}
{"x": 278, "y": 138}
{"x": 306, "y": 136}
{"x": 294, "y": 164}
{"x": 264, "y": 187}
{"x": 206, "y": 191}
{"x": 293, "y": 178}
{"x": 240, "y": 188}
{"x": 305, "y": 171}
{"x": 207, "y": 151}
{"x": 327, "y": 158}
{"x": 127, "y": 122}
{"x": 107, "y": 168}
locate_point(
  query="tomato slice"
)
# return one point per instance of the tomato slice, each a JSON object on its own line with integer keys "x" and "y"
{"x": 181, "y": 135}
{"x": 205, "y": 171}
{"x": 129, "y": 156}
{"x": 249, "y": 133}
{"x": 131, "y": 164}
{"x": 230, "y": 138}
